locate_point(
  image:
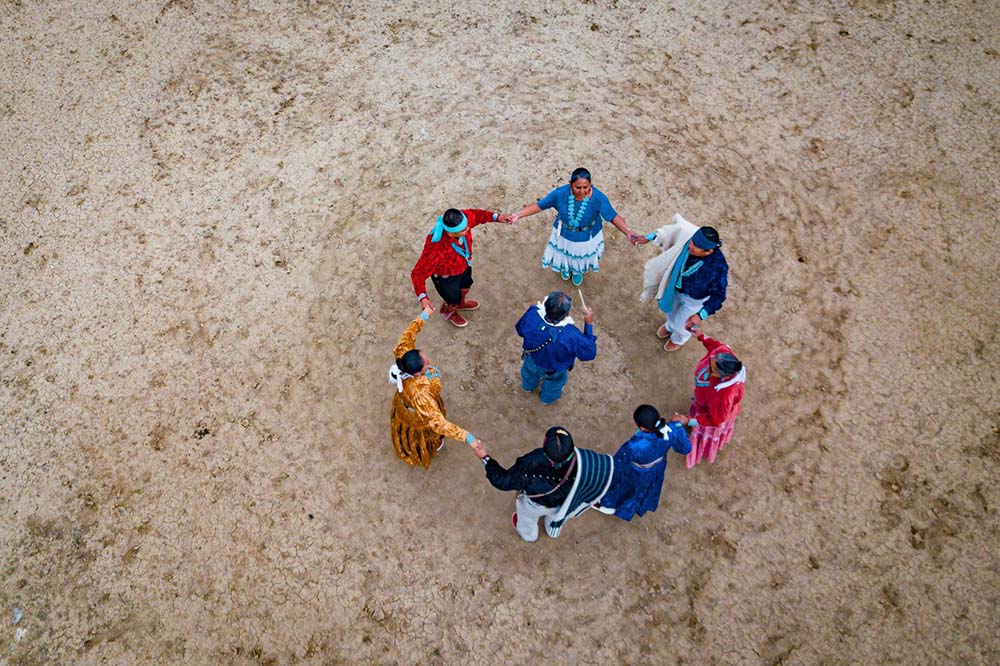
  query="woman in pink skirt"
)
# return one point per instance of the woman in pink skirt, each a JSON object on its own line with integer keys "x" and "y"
{"x": 718, "y": 390}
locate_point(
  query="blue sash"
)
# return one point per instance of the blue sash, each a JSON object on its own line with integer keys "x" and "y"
{"x": 462, "y": 250}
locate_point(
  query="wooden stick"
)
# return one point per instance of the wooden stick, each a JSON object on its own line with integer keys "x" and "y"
{"x": 582, "y": 302}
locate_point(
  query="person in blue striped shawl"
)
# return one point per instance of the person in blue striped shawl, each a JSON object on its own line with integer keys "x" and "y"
{"x": 558, "y": 481}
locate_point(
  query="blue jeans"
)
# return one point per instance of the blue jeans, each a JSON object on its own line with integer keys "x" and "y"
{"x": 552, "y": 381}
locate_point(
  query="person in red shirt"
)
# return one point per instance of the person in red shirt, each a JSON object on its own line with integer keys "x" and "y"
{"x": 719, "y": 380}
{"x": 447, "y": 260}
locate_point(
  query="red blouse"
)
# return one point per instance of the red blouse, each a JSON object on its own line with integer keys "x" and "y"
{"x": 711, "y": 407}
{"x": 441, "y": 258}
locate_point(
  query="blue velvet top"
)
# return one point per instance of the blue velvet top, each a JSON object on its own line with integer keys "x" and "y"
{"x": 591, "y": 221}
{"x": 709, "y": 280}
{"x": 635, "y": 490}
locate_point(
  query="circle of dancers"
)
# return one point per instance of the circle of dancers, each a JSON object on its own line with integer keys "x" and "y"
{"x": 560, "y": 480}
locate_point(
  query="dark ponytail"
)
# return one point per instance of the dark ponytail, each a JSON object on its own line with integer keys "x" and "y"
{"x": 647, "y": 417}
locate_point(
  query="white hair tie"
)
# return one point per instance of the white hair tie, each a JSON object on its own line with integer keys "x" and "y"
{"x": 396, "y": 376}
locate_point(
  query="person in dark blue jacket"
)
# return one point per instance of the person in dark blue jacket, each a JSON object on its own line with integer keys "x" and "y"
{"x": 641, "y": 463}
{"x": 552, "y": 344}
{"x": 697, "y": 288}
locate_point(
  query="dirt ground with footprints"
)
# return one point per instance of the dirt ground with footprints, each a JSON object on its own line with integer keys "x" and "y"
{"x": 208, "y": 214}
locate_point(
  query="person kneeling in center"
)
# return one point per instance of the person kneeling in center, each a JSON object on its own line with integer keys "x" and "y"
{"x": 552, "y": 344}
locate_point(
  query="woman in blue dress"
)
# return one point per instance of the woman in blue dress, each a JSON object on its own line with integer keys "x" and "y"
{"x": 641, "y": 463}
{"x": 576, "y": 243}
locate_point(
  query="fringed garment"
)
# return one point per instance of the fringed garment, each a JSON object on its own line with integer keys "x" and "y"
{"x": 417, "y": 420}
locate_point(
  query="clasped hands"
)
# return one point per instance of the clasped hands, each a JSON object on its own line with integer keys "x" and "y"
{"x": 636, "y": 239}
{"x": 478, "y": 448}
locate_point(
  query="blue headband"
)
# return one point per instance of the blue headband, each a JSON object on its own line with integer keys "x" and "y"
{"x": 440, "y": 227}
{"x": 701, "y": 242}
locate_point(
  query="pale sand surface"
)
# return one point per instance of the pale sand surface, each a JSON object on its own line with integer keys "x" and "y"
{"x": 208, "y": 214}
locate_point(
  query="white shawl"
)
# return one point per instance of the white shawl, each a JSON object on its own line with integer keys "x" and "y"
{"x": 671, "y": 238}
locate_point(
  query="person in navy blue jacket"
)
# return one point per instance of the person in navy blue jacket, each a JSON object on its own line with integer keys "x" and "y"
{"x": 552, "y": 345}
{"x": 697, "y": 288}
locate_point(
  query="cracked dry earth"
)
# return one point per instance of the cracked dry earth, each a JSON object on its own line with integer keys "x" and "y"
{"x": 208, "y": 212}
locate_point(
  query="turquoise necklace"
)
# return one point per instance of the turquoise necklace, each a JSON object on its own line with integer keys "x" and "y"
{"x": 573, "y": 220}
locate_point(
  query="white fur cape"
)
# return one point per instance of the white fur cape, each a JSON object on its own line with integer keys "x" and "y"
{"x": 671, "y": 238}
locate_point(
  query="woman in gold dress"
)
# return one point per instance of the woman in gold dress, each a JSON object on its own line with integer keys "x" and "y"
{"x": 417, "y": 420}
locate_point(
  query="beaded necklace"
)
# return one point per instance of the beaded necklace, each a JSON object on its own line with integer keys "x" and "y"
{"x": 573, "y": 220}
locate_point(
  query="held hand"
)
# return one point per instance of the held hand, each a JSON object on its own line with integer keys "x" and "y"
{"x": 693, "y": 323}
{"x": 588, "y": 315}
{"x": 506, "y": 218}
{"x": 428, "y": 309}
{"x": 512, "y": 218}
{"x": 680, "y": 418}
{"x": 478, "y": 448}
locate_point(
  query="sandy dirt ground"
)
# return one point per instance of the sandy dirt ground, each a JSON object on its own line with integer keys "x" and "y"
{"x": 208, "y": 214}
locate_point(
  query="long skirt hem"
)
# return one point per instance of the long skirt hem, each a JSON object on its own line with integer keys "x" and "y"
{"x": 707, "y": 441}
{"x": 582, "y": 257}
